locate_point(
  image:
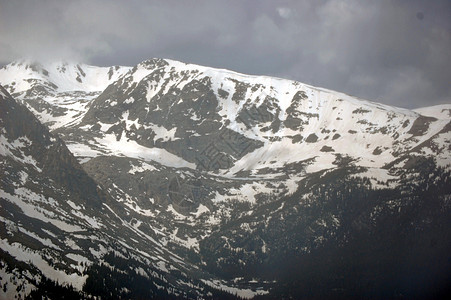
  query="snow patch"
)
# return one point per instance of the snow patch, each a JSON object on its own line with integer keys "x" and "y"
{"x": 244, "y": 293}
{"x": 141, "y": 168}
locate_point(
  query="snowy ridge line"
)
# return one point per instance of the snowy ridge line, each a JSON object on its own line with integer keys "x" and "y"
{"x": 95, "y": 79}
{"x": 220, "y": 75}
{"x": 59, "y": 76}
{"x": 365, "y": 127}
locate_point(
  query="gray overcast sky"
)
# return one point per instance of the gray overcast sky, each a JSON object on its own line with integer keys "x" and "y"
{"x": 395, "y": 52}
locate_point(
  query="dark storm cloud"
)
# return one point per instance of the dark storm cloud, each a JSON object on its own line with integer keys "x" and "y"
{"x": 396, "y": 52}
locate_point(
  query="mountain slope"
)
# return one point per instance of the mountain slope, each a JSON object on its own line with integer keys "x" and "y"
{"x": 41, "y": 182}
{"x": 185, "y": 108}
{"x": 250, "y": 179}
{"x": 58, "y": 229}
{"x": 258, "y": 135}
{"x": 257, "y": 142}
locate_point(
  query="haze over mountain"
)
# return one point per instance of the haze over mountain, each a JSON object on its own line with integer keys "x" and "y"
{"x": 191, "y": 180}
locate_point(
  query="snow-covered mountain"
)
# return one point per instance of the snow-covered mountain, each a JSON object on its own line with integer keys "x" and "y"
{"x": 60, "y": 91}
{"x": 241, "y": 175}
{"x": 261, "y": 121}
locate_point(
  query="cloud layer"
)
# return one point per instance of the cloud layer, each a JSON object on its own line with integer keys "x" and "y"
{"x": 396, "y": 52}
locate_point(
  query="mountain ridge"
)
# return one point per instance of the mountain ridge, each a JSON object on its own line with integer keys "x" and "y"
{"x": 250, "y": 108}
{"x": 37, "y": 66}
